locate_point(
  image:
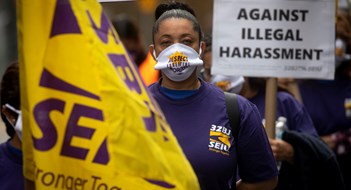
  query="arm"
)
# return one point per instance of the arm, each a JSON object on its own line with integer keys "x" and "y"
{"x": 264, "y": 185}
{"x": 256, "y": 163}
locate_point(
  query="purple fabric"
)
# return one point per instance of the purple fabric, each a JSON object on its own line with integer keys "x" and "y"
{"x": 49, "y": 80}
{"x": 325, "y": 102}
{"x": 11, "y": 171}
{"x": 211, "y": 154}
{"x": 295, "y": 113}
{"x": 65, "y": 22}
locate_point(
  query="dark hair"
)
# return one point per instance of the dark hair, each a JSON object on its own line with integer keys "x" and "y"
{"x": 10, "y": 93}
{"x": 170, "y": 6}
{"x": 175, "y": 10}
{"x": 257, "y": 83}
{"x": 208, "y": 42}
{"x": 125, "y": 27}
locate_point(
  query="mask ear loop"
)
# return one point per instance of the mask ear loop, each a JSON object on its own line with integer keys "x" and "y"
{"x": 14, "y": 110}
{"x": 198, "y": 69}
{"x": 200, "y": 50}
{"x": 17, "y": 125}
{"x": 154, "y": 53}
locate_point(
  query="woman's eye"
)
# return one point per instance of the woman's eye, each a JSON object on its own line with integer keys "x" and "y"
{"x": 187, "y": 42}
{"x": 165, "y": 43}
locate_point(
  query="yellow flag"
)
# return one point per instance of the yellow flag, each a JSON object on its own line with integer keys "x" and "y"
{"x": 89, "y": 120}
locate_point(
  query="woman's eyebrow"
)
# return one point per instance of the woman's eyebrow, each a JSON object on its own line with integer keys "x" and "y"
{"x": 165, "y": 36}
{"x": 187, "y": 35}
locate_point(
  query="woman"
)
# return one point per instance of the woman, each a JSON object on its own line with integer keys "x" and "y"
{"x": 196, "y": 110}
{"x": 11, "y": 172}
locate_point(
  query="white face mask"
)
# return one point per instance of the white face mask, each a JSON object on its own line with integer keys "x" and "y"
{"x": 178, "y": 61}
{"x": 232, "y": 84}
{"x": 18, "y": 124}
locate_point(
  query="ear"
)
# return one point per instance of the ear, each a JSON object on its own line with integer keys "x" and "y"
{"x": 202, "y": 49}
{"x": 152, "y": 51}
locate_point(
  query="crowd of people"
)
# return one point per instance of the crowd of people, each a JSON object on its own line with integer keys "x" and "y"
{"x": 311, "y": 150}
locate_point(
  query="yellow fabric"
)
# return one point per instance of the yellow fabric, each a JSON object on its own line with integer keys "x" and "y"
{"x": 89, "y": 120}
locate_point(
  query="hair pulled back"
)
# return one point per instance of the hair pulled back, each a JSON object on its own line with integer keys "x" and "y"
{"x": 175, "y": 9}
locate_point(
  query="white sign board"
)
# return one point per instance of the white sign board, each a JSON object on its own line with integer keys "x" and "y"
{"x": 281, "y": 38}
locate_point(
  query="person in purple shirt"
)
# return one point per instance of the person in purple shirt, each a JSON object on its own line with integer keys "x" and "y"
{"x": 11, "y": 175}
{"x": 304, "y": 159}
{"x": 197, "y": 113}
{"x": 329, "y": 101}
{"x": 296, "y": 115}
{"x": 289, "y": 111}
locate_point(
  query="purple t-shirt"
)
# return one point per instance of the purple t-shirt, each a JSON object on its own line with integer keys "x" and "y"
{"x": 201, "y": 125}
{"x": 288, "y": 107}
{"x": 329, "y": 104}
{"x": 11, "y": 170}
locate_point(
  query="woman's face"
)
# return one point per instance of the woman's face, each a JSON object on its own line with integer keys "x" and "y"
{"x": 175, "y": 30}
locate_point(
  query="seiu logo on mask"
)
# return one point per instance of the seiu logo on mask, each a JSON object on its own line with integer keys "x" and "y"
{"x": 178, "y": 62}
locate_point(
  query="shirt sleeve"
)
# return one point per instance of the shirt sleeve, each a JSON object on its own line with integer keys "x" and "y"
{"x": 298, "y": 117}
{"x": 255, "y": 158}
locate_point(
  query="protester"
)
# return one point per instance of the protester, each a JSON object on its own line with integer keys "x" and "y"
{"x": 306, "y": 161}
{"x": 329, "y": 101}
{"x": 196, "y": 110}
{"x": 295, "y": 136}
{"x": 131, "y": 38}
{"x": 11, "y": 175}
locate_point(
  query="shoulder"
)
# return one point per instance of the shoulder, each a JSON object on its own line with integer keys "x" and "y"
{"x": 211, "y": 87}
{"x": 249, "y": 114}
{"x": 211, "y": 92}
{"x": 3, "y": 151}
{"x": 154, "y": 88}
{"x": 245, "y": 105}
{"x": 3, "y": 147}
{"x": 287, "y": 99}
{"x": 285, "y": 96}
